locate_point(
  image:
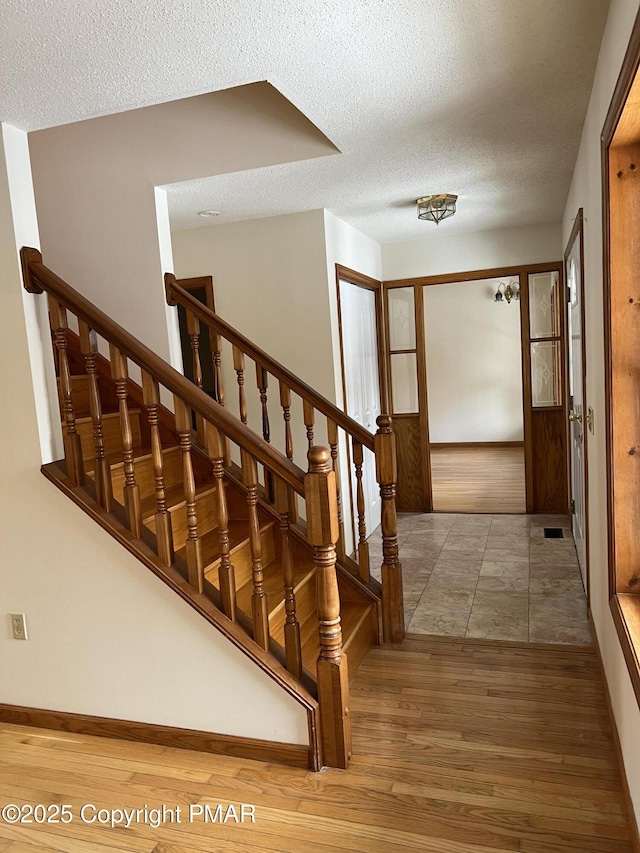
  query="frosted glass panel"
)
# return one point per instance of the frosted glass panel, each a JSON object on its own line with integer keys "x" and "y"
{"x": 402, "y": 319}
{"x": 545, "y": 373}
{"x": 544, "y": 304}
{"x": 404, "y": 383}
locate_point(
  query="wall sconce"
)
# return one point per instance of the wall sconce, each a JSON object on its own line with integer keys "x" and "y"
{"x": 507, "y": 291}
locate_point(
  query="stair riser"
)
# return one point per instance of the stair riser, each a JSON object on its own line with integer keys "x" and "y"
{"x": 206, "y": 511}
{"x": 144, "y": 474}
{"x": 241, "y": 561}
{"x": 305, "y": 609}
{"x": 111, "y": 435}
{"x": 79, "y": 394}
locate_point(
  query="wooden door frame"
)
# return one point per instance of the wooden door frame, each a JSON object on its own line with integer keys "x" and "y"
{"x": 522, "y": 272}
{"x": 358, "y": 279}
{"x": 577, "y": 232}
{"x": 198, "y": 282}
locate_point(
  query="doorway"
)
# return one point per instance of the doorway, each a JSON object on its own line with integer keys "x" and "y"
{"x": 475, "y": 396}
{"x": 544, "y": 381}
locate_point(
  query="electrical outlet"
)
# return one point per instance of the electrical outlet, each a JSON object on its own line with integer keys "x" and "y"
{"x": 19, "y": 626}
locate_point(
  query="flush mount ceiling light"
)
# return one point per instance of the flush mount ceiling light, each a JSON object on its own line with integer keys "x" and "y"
{"x": 436, "y": 207}
{"x": 208, "y": 213}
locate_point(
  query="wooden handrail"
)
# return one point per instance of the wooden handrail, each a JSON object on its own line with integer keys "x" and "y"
{"x": 38, "y": 278}
{"x": 177, "y": 294}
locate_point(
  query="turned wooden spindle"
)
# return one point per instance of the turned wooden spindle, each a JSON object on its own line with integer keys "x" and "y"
{"x": 309, "y": 417}
{"x": 193, "y": 330}
{"x": 387, "y": 475}
{"x": 226, "y": 572}
{"x": 70, "y": 435}
{"x": 164, "y": 531}
{"x": 132, "y": 507}
{"x": 262, "y": 379}
{"x": 285, "y": 402}
{"x": 238, "y": 366}
{"x": 332, "y": 435}
{"x": 293, "y": 649}
{"x": 363, "y": 545}
{"x": 102, "y": 471}
{"x": 332, "y": 670}
{"x": 259, "y": 604}
{"x": 195, "y": 566}
{"x": 218, "y": 381}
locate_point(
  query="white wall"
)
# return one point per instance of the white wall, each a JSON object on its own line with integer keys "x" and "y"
{"x": 474, "y": 368}
{"x": 106, "y": 636}
{"x": 481, "y": 250}
{"x": 586, "y": 192}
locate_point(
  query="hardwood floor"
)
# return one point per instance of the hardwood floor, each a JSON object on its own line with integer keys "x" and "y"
{"x": 459, "y": 747}
{"x": 476, "y": 479}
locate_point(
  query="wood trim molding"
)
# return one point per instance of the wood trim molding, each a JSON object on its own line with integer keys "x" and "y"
{"x": 633, "y": 823}
{"x": 201, "y": 281}
{"x": 577, "y": 232}
{"x": 435, "y": 445}
{"x": 358, "y": 278}
{"x": 453, "y": 278}
{"x": 293, "y": 755}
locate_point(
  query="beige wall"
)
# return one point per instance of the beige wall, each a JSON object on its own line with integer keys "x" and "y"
{"x": 474, "y": 374}
{"x": 106, "y": 637}
{"x": 482, "y": 250}
{"x": 586, "y": 192}
{"x": 94, "y": 185}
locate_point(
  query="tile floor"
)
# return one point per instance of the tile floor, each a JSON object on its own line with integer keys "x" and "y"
{"x": 490, "y": 577}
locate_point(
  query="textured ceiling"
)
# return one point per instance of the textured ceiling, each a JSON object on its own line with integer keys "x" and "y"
{"x": 483, "y": 98}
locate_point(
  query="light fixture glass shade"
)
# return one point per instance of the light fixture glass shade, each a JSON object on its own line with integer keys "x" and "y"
{"x": 437, "y": 207}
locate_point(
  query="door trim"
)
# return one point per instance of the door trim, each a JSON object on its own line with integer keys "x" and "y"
{"x": 577, "y": 232}
{"x": 358, "y": 279}
{"x": 521, "y": 271}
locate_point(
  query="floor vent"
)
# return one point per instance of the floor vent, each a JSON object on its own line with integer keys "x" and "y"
{"x": 553, "y": 533}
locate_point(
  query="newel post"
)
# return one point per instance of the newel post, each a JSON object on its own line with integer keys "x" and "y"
{"x": 332, "y": 671}
{"x": 387, "y": 475}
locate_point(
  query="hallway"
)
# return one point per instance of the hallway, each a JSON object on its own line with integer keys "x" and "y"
{"x": 490, "y": 577}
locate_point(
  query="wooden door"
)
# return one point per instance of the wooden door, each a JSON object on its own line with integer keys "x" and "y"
{"x": 577, "y": 409}
{"x": 359, "y": 327}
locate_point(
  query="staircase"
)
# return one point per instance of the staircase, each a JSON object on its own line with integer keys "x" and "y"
{"x": 234, "y": 526}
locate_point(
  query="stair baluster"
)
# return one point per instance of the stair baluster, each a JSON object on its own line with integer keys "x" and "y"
{"x": 132, "y": 506}
{"x": 238, "y": 366}
{"x": 193, "y": 330}
{"x": 387, "y": 475}
{"x": 285, "y": 402}
{"x": 309, "y": 416}
{"x": 71, "y": 437}
{"x": 262, "y": 379}
{"x": 332, "y": 434}
{"x": 259, "y": 604}
{"x": 102, "y": 472}
{"x": 218, "y": 382}
{"x": 226, "y": 572}
{"x": 332, "y": 671}
{"x": 193, "y": 545}
{"x": 293, "y": 649}
{"x": 164, "y": 531}
{"x": 363, "y": 545}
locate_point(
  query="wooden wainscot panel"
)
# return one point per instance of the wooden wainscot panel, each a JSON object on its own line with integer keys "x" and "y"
{"x": 412, "y": 493}
{"x": 549, "y": 460}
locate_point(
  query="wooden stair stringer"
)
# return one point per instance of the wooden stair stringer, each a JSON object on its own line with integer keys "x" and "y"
{"x": 175, "y": 579}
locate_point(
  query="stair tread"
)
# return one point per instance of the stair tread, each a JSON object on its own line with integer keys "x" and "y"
{"x": 139, "y": 452}
{"x": 174, "y": 498}
{"x": 238, "y": 535}
{"x": 86, "y": 419}
{"x": 274, "y": 585}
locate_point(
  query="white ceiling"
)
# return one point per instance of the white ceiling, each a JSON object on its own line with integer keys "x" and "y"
{"x": 483, "y": 98}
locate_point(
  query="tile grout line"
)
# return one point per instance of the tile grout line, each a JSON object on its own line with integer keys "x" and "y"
{"x": 478, "y": 579}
